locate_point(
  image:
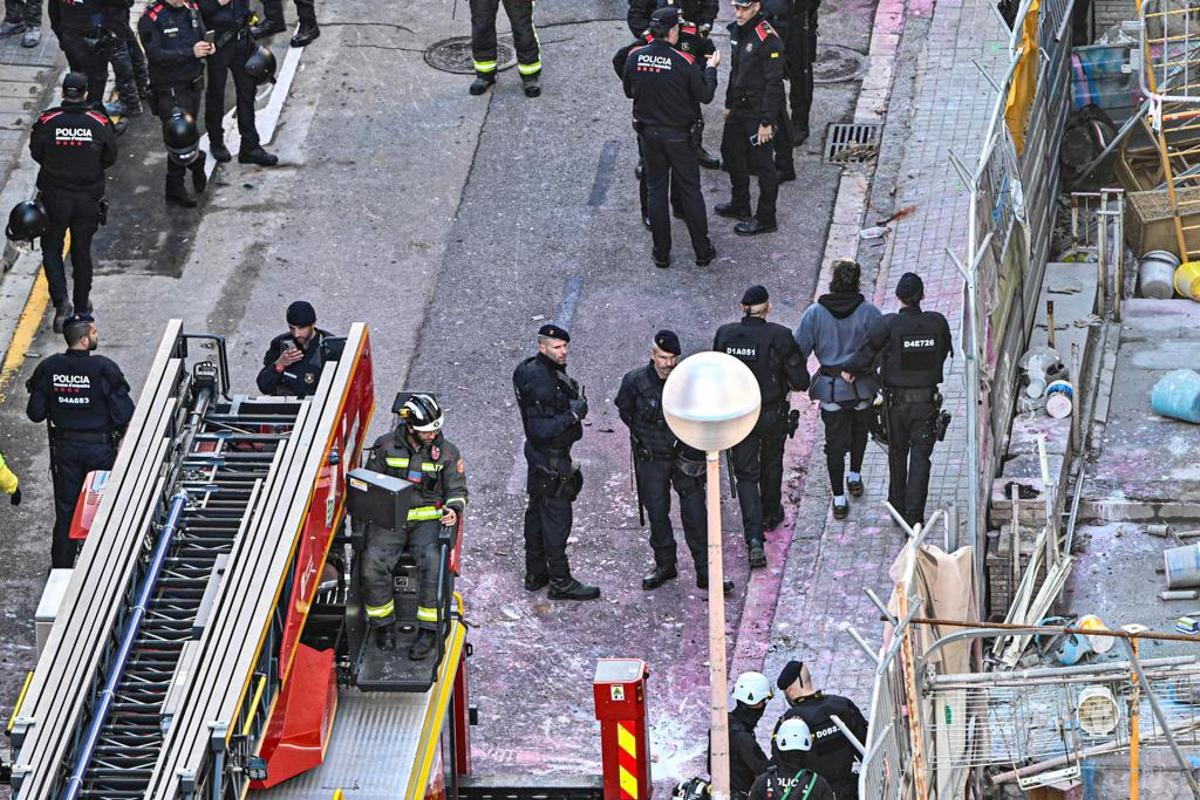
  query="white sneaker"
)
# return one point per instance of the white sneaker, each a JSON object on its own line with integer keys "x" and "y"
{"x": 32, "y": 37}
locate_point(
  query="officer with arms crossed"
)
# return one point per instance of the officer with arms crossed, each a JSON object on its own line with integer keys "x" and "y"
{"x": 293, "y": 362}
{"x": 786, "y": 777}
{"x": 667, "y": 92}
{"x": 660, "y": 461}
{"x": 771, "y": 354}
{"x": 552, "y": 407}
{"x": 74, "y": 144}
{"x": 913, "y": 345}
{"x": 416, "y": 452}
{"x": 85, "y": 400}
{"x": 831, "y": 755}
{"x": 747, "y": 760}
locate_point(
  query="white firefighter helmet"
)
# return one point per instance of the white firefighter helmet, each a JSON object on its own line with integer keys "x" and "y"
{"x": 422, "y": 413}
{"x": 752, "y": 688}
{"x": 793, "y": 734}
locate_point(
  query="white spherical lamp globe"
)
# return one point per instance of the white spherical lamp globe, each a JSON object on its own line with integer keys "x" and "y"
{"x": 711, "y": 401}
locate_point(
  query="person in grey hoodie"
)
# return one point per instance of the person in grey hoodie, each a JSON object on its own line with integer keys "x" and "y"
{"x": 833, "y": 328}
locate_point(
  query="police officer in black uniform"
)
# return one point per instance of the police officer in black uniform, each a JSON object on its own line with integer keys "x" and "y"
{"x": 771, "y": 354}
{"x": 230, "y": 22}
{"x": 85, "y": 400}
{"x": 172, "y": 35}
{"x": 913, "y": 345}
{"x": 667, "y": 91}
{"x": 796, "y": 23}
{"x": 832, "y": 756}
{"x": 74, "y": 144}
{"x": 553, "y": 407}
{"x": 294, "y": 360}
{"x": 86, "y": 34}
{"x": 753, "y": 105}
{"x": 660, "y": 461}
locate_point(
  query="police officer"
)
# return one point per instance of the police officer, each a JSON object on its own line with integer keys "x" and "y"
{"x": 747, "y": 760}
{"x": 293, "y": 361}
{"x": 130, "y": 70}
{"x": 553, "y": 407}
{"x": 416, "y": 452}
{"x": 786, "y": 776}
{"x": 771, "y": 354}
{"x": 230, "y": 21}
{"x": 660, "y": 461}
{"x": 832, "y": 756}
{"x": 23, "y": 15}
{"x": 10, "y": 484}
{"x": 525, "y": 39}
{"x": 796, "y": 23}
{"x": 74, "y": 144}
{"x": 833, "y": 328}
{"x": 84, "y": 29}
{"x": 172, "y": 35}
{"x": 306, "y": 11}
{"x": 913, "y": 345}
{"x": 667, "y": 92}
{"x": 753, "y": 105}
{"x": 86, "y": 400}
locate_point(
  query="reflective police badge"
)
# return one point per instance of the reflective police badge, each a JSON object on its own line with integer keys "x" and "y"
{"x": 309, "y": 377}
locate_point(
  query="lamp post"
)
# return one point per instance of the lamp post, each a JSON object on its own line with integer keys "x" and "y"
{"x": 711, "y": 402}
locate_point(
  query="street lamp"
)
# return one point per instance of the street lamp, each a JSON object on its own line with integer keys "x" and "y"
{"x": 711, "y": 402}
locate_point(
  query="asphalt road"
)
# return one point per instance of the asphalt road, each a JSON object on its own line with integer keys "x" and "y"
{"x": 454, "y": 226}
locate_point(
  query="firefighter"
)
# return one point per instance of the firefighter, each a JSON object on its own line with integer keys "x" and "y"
{"x": 787, "y": 776}
{"x": 912, "y": 346}
{"x": 272, "y": 23}
{"x": 831, "y": 755}
{"x": 84, "y": 31}
{"x": 553, "y": 406}
{"x": 229, "y": 21}
{"x": 10, "y": 484}
{"x": 294, "y": 360}
{"x": 85, "y": 400}
{"x": 416, "y": 452}
{"x": 74, "y": 144}
{"x": 525, "y": 38}
{"x": 771, "y": 354}
{"x": 747, "y": 760}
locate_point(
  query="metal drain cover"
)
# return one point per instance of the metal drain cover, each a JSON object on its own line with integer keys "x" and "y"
{"x": 854, "y": 142}
{"x": 836, "y": 63}
{"x": 454, "y": 55}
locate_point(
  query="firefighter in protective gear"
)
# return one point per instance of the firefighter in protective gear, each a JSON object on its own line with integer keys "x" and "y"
{"x": 787, "y": 777}
{"x": 751, "y": 692}
{"x": 416, "y": 452}
{"x": 483, "y": 43}
{"x": 830, "y": 754}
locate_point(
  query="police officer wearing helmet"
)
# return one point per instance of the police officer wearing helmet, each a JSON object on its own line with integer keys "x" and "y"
{"x": 230, "y": 22}
{"x": 416, "y": 452}
{"x": 85, "y": 400}
{"x": 771, "y": 354}
{"x": 747, "y": 760}
{"x": 172, "y": 35}
{"x": 831, "y": 755}
{"x": 553, "y": 407}
{"x": 85, "y": 31}
{"x": 667, "y": 91}
{"x": 911, "y": 346}
{"x": 294, "y": 360}
{"x": 662, "y": 461}
{"x": 74, "y": 144}
{"x": 787, "y": 778}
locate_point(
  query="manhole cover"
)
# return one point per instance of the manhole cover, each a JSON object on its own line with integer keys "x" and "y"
{"x": 834, "y": 63}
{"x": 852, "y": 142}
{"x": 454, "y": 55}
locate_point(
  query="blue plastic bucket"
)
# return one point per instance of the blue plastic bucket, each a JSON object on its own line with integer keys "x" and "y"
{"x": 1177, "y": 394}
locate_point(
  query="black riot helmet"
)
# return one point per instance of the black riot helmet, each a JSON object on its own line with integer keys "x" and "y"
{"x": 26, "y": 222}
{"x": 260, "y": 65}
{"x": 181, "y": 137}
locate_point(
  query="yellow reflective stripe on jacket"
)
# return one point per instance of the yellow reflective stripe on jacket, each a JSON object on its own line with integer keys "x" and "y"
{"x": 485, "y": 66}
{"x": 530, "y": 69}
{"x": 422, "y": 513}
{"x": 426, "y": 614}
{"x": 462, "y": 501}
{"x": 388, "y": 609}
{"x": 399, "y": 463}
{"x": 8, "y": 478}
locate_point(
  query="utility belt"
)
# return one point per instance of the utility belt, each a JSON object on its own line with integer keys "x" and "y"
{"x": 552, "y": 482}
{"x": 61, "y": 435}
{"x": 898, "y": 395}
{"x": 235, "y": 35}
{"x": 97, "y": 38}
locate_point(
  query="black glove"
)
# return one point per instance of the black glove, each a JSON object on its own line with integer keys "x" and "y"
{"x": 579, "y": 407}
{"x": 16, "y": 497}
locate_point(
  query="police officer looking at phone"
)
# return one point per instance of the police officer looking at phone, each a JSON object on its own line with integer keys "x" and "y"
{"x": 293, "y": 362}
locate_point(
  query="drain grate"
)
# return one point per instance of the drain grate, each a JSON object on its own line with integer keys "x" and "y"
{"x": 454, "y": 55}
{"x": 836, "y": 63}
{"x": 852, "y": 143}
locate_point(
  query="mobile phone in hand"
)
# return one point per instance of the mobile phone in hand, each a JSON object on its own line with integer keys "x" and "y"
{"x": 210, "y": 36}
{"x": 754, "y": 140}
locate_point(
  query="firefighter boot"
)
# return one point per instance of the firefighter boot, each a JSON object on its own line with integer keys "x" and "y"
{"x": 385, "y": 638}
{"x": 481, "y": 84}
{"x": 425, "y": 644}
{"x": 571, "y": 589}
{"x": 532, "y": 87}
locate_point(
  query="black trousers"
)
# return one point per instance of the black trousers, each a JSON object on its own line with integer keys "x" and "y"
{"x": 483, "y": 36}
{"x": 785, "y": 159}
{"x": 643, "y": 194}
{"x": 187, "y": 97}
{"x": 231, "y": 60}
{"x": 655, "y": 479}
{"x": 547, "y": 523}
{"x": 912, "y": 430}
{"x": 79, "y": 213}
{"x": 845, "y": 432}
{"x": 27, "y": 11}
{"x": 758, "y": 470}
{"x": 743, "y": 159}
{"x": 801, "y": 47}
{"x": 306, "y": 11}
{"x": 129, "y": 65}
{"x": 672, "y": 163}
{"x": 72, "y": 462}
{"x": 86, "y": 56}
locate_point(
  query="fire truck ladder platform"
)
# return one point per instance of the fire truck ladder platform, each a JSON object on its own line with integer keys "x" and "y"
{"x": 384, "y": 744}
{"x": 164, "y": 661}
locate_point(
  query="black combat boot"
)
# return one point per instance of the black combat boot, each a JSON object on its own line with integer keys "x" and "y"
{"x": 268, "y": 27}
{"x": 306, "y": 35}
{"x": 758, "y": 556}
{"x": 754, "y": 226}
{"x": 218, "y": 150}
{"x": 661, "y": 574}
{"x": 702, "y": 580}
{"x": 571, "y": 589}
{"x": 535, "y": 582}
{"x": 256, "y": 155}
{"x": 708, "y": 160}
{"x": 425, "y": 644}
{"x": 199, "y": 178}
{"x": 385, "y": 638}
{"x": 177, "y": 195}
{"x": 733, "y": 211}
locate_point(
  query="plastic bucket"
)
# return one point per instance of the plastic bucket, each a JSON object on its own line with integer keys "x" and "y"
{"x": 1156, "y": 275}
{"x": 1182, "y": 566}
{"x": 1177, "y": 395}
{"x": 1097, "y": 711}
{"x": 1058, "y": 399}
{"x": 1187, "y": 280}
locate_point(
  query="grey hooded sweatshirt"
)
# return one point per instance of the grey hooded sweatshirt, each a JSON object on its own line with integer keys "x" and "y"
{"x": 833, "y": 328}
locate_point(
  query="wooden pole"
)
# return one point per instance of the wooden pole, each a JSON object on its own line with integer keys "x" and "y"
{"x": 1135, "y": 703}
{"x": 717, "y": 678}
